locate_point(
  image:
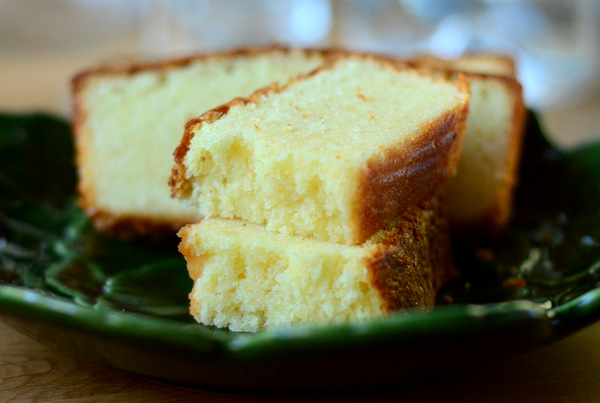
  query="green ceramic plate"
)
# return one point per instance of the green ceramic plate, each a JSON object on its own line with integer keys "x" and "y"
{"x": 124, "y": 304}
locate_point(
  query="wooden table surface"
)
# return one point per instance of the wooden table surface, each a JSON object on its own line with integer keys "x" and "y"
{"x": 566, "y": 371}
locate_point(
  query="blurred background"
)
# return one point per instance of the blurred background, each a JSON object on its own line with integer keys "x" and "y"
{"x": 555, "y": 43}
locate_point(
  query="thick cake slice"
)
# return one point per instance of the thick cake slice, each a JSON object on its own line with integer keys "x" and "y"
{"x": 249, "y": 279}
{"x": 128, "y": 120}
{"x": 479, "y": 196}
{"x": 335, "y": 155}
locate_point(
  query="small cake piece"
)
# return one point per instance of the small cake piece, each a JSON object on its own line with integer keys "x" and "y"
{"x": 128, "y": 120}
{"x": 250, "y": 279}
{"x": 479, "y": 196}
{"x": 335, "y": 155}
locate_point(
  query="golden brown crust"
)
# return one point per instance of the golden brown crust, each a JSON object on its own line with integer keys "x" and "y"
{"x": 414, "y": 260}
{"x": 128, "y": 226}
{"x": 409, "y": 174}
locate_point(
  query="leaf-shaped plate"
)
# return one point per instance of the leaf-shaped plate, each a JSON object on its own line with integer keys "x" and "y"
{"x": 124, "y": 304}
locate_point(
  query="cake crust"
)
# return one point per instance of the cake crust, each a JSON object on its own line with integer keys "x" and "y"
{"x": 414, "y": 259}
{"x": 435, "y": 156}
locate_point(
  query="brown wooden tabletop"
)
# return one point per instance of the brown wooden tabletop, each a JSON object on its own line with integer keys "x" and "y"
{"x": 566, "y": 371}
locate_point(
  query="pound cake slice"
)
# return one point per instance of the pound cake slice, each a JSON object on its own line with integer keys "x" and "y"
{"x": 128, "y": 120}
{"x": 249, "y": 279}
{"x": 334, "y": 155}
{"x": 479, "y": 196}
